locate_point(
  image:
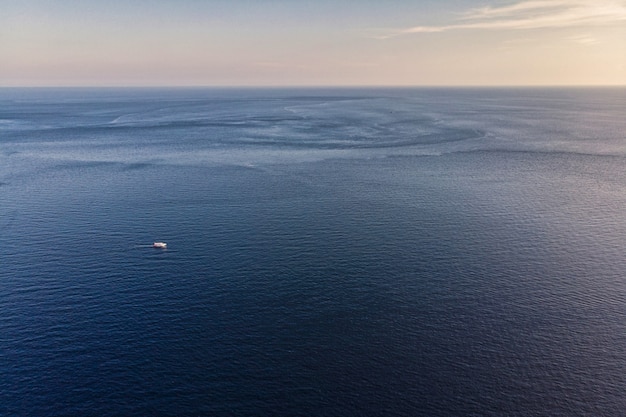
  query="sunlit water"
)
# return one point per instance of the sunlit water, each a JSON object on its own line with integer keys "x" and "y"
{"x": 330, "y": 252}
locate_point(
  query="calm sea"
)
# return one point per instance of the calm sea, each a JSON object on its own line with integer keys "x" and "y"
{"x": 331, "y": 252}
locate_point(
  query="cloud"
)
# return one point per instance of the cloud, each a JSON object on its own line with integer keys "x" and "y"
{"x": 532, "y": 14}
{"x": 584, "y": 39}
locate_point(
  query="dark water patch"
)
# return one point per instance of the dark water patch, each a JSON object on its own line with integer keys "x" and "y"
{"x": 140, "y": 165}
{"x": 328, "y": 98}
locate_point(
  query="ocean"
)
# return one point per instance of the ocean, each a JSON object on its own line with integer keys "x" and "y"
{"x": 330, "y": 252}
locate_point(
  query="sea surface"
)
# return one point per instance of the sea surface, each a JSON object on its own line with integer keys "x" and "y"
{"x": 331, "y": 252}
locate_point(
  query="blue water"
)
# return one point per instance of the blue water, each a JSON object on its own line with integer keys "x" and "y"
{"x": 331, "y": 252}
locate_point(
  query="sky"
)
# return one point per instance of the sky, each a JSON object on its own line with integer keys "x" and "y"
{"x": 312, "y": 43}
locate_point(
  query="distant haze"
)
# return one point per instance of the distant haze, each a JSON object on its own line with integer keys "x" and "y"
{"x": 324, "y": 42}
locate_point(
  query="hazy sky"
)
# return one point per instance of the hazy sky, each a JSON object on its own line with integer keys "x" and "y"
{"x": 314, "y": 42}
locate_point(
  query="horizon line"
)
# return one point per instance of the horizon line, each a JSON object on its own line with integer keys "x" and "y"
{"x": 265, "y": 86}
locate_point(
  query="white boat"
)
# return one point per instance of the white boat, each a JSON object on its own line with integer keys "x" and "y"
{"x": 159, "y": 245}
